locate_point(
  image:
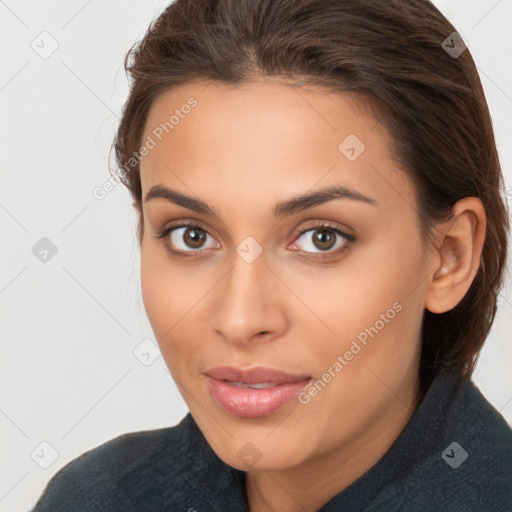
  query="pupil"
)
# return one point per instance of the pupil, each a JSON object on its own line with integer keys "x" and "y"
{"x": 194, "y": 237}
{"x": 324, "y": 239}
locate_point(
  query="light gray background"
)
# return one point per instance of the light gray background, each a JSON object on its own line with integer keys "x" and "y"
{"x": 69, "y": 376}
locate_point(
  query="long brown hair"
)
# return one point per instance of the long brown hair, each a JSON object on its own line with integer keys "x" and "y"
{"x": 391, "y": 52}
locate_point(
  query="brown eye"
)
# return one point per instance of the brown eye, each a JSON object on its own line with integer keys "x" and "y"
{"x": 322, "y": 239}
{"x": 187, "y": 238}
{"x": 194, "y": 237}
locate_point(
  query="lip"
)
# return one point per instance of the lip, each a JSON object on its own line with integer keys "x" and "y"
{"x": 249, "y": 402}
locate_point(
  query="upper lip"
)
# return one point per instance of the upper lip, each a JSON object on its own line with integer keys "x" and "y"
{"x": 253, "y": 375}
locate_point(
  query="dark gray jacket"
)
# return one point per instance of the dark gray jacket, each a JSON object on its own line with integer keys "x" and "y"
{"x": 455, "y": 455}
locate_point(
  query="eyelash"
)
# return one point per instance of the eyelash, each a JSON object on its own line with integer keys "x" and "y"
{"x": 316, "y": 227}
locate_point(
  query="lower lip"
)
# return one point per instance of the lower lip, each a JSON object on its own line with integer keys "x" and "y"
{"x": 251, "y": 403}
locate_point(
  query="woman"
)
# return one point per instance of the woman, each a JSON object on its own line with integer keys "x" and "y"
{"x": 322, "y": 241}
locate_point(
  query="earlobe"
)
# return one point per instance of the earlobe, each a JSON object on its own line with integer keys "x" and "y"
{"x": 457, "y": 256}
{"x": 441, "y": 272}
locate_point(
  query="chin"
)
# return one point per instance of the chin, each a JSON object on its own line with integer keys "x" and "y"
{"x": 261, "y": 448}
{"x": 271, "y": 461}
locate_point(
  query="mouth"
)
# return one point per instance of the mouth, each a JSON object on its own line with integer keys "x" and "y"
{"x": 253, "y": 392}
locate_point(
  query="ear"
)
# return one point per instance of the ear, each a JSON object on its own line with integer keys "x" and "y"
{"x": 456, "y": 255}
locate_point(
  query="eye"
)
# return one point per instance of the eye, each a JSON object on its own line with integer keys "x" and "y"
{"x": 186, "y": 238}
{"x": 189, "y": 238}
{"x": 323, "y": 238}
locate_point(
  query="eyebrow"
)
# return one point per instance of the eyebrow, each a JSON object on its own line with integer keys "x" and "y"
{"x": 281, "y": 209}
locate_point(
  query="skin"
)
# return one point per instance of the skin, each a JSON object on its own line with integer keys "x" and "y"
{"x": 242, "y": 150}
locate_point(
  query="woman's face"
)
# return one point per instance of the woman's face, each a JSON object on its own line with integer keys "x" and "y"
{"x": 337, "y": 308}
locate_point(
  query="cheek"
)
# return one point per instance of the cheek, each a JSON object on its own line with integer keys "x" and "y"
{"x": 163, "y": 295}
{"x": 162, "y": 286}
{"x": 367, "y": 286}
{"x": 172, "y": 300}
{"x": 375, "y": 300}
{"x": 155, "y": 293}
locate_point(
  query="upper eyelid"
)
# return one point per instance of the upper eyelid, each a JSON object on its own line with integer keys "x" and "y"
{"x": 315, "y": 223}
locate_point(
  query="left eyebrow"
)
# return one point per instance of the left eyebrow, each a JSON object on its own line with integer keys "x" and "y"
{"x": 307, "y": 201}
{"x": 281, "y": 209}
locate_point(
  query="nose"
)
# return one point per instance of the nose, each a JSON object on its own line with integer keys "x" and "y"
{"x": 248, "y": 304}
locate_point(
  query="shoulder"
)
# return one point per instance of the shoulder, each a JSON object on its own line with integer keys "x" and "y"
{"x": 108, "y": 477}
{"x": 468, "y": 466}
{"x": 487, "y": 433}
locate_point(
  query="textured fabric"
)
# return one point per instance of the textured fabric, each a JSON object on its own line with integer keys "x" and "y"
{"x": 174, "y": 469}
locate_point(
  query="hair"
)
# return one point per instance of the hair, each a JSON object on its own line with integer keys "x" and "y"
{"x": 391, "y": 53}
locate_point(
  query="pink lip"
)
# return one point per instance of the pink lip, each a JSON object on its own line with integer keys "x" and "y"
{"x": 250, "y": 402}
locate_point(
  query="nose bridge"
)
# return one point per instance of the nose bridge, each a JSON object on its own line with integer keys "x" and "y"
{"x": 245, "y": 302}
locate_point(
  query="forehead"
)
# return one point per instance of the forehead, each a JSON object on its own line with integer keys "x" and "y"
{"x": 267, "y": 105}
{"x": 261, "y": 135}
